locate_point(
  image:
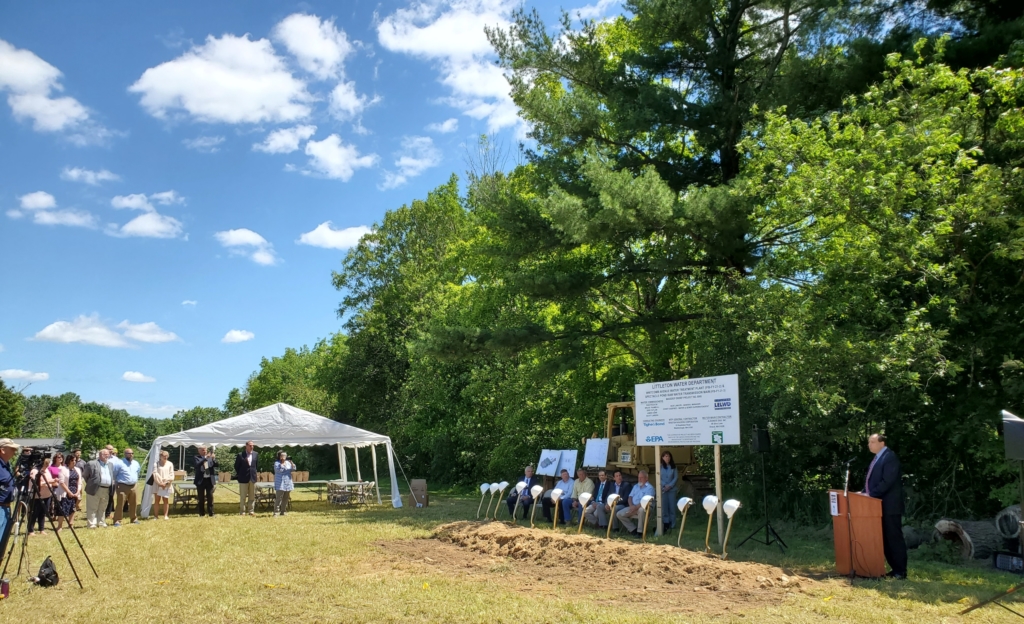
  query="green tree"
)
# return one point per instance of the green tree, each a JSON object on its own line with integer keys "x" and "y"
{"x": 12, "y": 412}
{"x": 90, "y": 431}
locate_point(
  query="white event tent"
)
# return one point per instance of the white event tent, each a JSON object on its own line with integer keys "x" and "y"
{"x": 278, "y": 425}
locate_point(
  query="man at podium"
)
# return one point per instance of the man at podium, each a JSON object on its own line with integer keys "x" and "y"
{"x": 885, "y": 482}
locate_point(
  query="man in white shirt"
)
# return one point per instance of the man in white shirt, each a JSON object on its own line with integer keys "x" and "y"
{"x": 565, "y": 484}
{"x": 98, "y": 479}
{"x": 626, "y": 514}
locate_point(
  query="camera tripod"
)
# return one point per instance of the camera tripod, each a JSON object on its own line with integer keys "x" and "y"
{"x": 770, "y": 536}
{"x": 20, "y": 510}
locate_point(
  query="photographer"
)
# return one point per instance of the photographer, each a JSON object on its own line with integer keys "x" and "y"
{"x": 42, "y": 485}
{"x": 206, "y": 466}
{"x": 8, "y": 449}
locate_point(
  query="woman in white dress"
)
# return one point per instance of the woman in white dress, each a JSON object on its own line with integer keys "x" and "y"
{"x": 162, "y": 478}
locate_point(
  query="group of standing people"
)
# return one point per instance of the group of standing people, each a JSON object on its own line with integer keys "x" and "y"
{"x": 246, "y": 473}
{"x": 56, "y": 489}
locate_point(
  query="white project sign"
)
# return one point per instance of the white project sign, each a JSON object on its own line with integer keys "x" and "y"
{"x": 688, "y": 412}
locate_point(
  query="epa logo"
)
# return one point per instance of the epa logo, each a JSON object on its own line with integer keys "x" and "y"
{"x": 723, "y": 404}
{"x": 655, "y": 439}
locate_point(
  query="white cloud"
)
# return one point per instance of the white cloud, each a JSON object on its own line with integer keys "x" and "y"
{"x": 446, "y": 126}
{"x": 346, "y": 103}
{"x": 247, "y": 243}
{"x": 418, "y": 154}
{"x": 16, "y": 374}
{"x": 166, "y": 198}
{"x": 137, "y": 377}
{"x": 30, "y": 82}
{"x": 451, "y": 32}
{"x": 147, "y": 332}
{"x": 85, "y": 330}
{"x": 334, "y": 159}
{"x": 327, "y": 237}
{"x": 40, "y": 200}
{"x": 318, "y": 46}
{"x": 238, "y": 335}
{"x": 150, "y": 224}
{"x": 42, "y": 204}
{"x": 93, "y": 178}
{"x": 284, "y": 140}
{"x": 91, "y": 330}
{"x": 593, "y": 11}
{"x": 189, "y": 302}
{"x": 228, "y": 79}
{"x": 204, "y": 144}
{"x": 69, "y": 217}
{"x": 145, "y": 409}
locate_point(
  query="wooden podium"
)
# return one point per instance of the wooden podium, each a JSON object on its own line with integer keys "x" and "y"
{"x": 866, "y": 517}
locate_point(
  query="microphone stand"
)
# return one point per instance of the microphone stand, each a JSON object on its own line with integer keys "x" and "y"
{"x": 849, "y": 518}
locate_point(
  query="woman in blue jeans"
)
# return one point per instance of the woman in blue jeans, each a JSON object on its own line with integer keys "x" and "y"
{"x": 669, "y": 484}
{"x": 42, "y": 485}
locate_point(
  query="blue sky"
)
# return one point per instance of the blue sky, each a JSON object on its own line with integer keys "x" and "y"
{"x": 180, "y": 179}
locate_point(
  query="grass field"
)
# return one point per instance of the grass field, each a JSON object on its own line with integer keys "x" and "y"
{"x": 323, "y": 564}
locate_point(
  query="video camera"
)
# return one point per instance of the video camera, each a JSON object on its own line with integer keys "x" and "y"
{"x": 30, "y": 458}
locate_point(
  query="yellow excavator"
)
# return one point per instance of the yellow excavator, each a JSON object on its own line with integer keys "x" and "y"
{"x": 625, "y": 455}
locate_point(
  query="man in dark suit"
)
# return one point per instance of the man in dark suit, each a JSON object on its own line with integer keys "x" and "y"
{"x": 205, "y": 465}
{"x": 527, "y": 499}
{"x": 245, "y": 471}
{"x": 885, "y": 482}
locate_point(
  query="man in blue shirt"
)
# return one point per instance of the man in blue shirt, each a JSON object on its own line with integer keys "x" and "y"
{"x": 625, "y": 515}
{"x": 126, "y": 477}
{"x": 8, "y": 449}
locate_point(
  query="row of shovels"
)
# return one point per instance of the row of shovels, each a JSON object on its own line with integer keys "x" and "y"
{"x": 710, "y": 504}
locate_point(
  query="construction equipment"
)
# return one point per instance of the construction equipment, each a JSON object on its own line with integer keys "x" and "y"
{"x": 626, "y": 456}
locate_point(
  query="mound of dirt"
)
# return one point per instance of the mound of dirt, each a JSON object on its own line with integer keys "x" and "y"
{"x": 632, "y": 563}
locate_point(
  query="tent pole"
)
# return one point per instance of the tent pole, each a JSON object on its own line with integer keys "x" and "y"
{"x": 396, "y": 498}
{"x": 341, "y": 463}
{"x": 359, "y": 476}
{"x": 376, "y": 481}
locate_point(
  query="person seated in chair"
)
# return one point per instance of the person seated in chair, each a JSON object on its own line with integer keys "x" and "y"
{"x": 596, "y": 513}
{"x": 527, "y": 499}
{"x": 633, "y": 510}
{"x": 565, "y": 484}
{"x": 579, "y": 486}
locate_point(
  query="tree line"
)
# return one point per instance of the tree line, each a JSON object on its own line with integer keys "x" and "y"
{"x": 824, "y": 197}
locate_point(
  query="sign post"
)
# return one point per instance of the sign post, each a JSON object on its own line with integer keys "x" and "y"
{"x": 689, "y": 412}
{"x": 657, "y": 489}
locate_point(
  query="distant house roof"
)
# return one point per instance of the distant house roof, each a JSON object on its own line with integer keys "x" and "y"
{"x": 37, "y": 442}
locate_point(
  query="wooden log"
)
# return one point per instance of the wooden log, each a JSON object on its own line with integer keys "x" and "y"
{"x": 1008, "y": 522}
{"x": 978, "y": 539}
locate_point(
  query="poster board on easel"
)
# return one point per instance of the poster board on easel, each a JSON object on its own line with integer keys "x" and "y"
{"x": 568, "y": 462}
{"x": 596, "y": 453}
{"x": 548, "y": 464}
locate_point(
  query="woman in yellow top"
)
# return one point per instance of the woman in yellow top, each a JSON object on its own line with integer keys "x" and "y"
{"x": 163, "y": 475}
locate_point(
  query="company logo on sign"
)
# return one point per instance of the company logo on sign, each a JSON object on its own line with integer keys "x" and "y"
{"x": 655, "y": 439}
{"x": 717, "y": 437}
{"x": 654, "y": 423}
{"x": 723, "y": 404}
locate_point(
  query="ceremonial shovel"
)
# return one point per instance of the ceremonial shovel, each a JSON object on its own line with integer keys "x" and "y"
{"x": 519, "y": 495}
{"x": 729, "y": 507}
{"x": 501, "y": 496}
{"x": 684, "y": 506}
{"x": 535, "y": 491}
{"x": 710, "y": 504}
{"x": 645, "y": 504}
{"x": 584, "y": 499}
{"x": 612, "y": 499}
{"x": 494, "y": 488}
{"x": 556, "y": 495}
{"x": 483, "y": 492}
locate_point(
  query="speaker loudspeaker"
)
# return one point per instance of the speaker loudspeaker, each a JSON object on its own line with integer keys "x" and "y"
{"x": 760, "y": 442}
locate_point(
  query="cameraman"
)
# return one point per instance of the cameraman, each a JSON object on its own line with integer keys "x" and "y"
{"x": 8, "y": 449}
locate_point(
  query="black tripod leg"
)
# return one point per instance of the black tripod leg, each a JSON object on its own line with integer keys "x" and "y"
{"x": 776, "y": 536}
{"x": 60, "y": 541}
{"x": 749, "y": 537}
{"x": 75, "y": 533}
{"x": 14, "y": 541}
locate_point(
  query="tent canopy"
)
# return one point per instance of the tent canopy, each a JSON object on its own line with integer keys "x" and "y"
{"x": 279, "y": 424}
